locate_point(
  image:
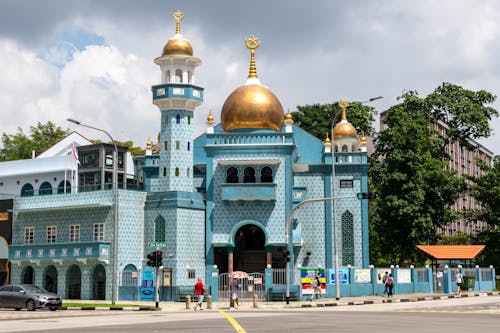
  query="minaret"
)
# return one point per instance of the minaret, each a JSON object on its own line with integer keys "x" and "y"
{"x": 177, "y": 97}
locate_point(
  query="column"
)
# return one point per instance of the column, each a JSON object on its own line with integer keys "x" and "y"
{"x": 230, "y": 259}
{"x": 269, "y": 255}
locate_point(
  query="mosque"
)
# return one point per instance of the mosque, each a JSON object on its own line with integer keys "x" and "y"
{"x": 213, "y": 204}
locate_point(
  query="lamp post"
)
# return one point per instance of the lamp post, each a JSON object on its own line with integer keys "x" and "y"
{"x": 343, "y": 104}
{"x": 114, "y": 291}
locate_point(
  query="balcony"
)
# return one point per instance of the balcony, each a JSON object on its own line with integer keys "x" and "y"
{"x": 249, "y": 192}
{"x": 38, "y": 252}
{"x": 177, "y": 91}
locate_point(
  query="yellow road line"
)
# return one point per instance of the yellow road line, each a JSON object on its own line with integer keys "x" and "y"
{"x": 233, "y": 322}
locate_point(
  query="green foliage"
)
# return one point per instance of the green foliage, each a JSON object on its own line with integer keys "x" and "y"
{"x": 460, "y": 238}
{"x": 486, "y": 189}
{"x": 317, "y": 118}
{"x": 410, "y": 174}
{"x": 132, "y": 150}
{"x": 20, "y": 146}
{"x": 491, "y": 254}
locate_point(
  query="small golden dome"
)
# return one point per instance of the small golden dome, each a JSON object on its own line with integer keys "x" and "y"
{"x": 178, "y": 45}
{"x": 252, "y": 105}
{"x": 327, "y": 140}
{"x": 289, "y": 118}
{"x": 210, "y": 118}
{"x": 149, "y": 144}
{"x": 363, "y": 141}
{"x": 344, "y": 129}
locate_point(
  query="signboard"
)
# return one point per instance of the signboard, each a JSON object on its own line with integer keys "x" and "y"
{"x": 343, "y": 276}
{"x": 306, "y": 278}
{"x": 147, "y": 285}
{"x": 362, "y": 276}
{"x": 404, "y": 276}
{"x": 154, "y": 245}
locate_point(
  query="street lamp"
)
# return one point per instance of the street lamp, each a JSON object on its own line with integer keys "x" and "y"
{"x": 114, "y": 291}
{"x": 343, "y": 105}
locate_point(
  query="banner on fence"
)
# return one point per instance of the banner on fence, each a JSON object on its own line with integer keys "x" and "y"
{"x": 343, "y": 276}
{"x": 362, "y": 276}
{"x": 147, "y": 285}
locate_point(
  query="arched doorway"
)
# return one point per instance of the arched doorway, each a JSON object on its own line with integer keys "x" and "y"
{"x": 249, "y": 251}
{"x": 28, "y": 276}
{"x": 74, "y": 282}
{"x": 50, "y": 279}
{"x": 99, "y": 282}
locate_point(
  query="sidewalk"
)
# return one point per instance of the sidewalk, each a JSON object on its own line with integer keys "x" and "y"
{"x": 262, "y": 305}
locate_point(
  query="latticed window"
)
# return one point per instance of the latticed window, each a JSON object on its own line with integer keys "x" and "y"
{"x": 98, "y": 231}
{"x": 29, "y": 235}
{"x": 160, "y": 229}
{"x": 347, "y": 239}
{"x": 51, "y": 234}
{"x": 74, "y": 233}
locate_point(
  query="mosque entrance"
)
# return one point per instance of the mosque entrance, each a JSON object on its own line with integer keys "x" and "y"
{"x": 249, "y": 251}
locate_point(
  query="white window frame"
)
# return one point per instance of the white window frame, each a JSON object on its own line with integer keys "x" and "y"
{"x": 51, "y": 234}
{"x": 98, "y": 232}
{"x": 29, "y": 235}
{"x": 74, "y": 233}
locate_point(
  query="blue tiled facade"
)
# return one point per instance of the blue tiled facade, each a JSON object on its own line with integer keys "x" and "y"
{"x": 204, "y": 197}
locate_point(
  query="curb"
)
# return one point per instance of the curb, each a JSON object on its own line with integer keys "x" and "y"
{"x": 401, "y": 300}
{"x": 106, "y": 308}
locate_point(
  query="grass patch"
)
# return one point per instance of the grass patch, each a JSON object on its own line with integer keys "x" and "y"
{"x": 108, "y": 305}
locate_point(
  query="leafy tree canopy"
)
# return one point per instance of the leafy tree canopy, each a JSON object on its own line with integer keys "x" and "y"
{"x": 410, "y": 166}
{"x": 317, "y": 118}
{"x": 486, "y": 189}
{"x": 130, "y": 144}
{"x": 20, "y": 146}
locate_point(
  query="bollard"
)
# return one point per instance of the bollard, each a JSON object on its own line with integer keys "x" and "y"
{"x": 209, "y": 301}
{"x": 255, "y": 301}
{"x": 188, "y": 302}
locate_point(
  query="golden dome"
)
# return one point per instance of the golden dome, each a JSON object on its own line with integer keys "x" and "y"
{"x": 327, "y": 140}
{"x": 149, "y": 144}
{"x": 289, "y": 117}
{"x": 210, "y": 118}
{"x": 363, "y": 139}
{"x": 178, "y": 45}
{"x": 344, "y": 129}
{"x": 252, "y": 105}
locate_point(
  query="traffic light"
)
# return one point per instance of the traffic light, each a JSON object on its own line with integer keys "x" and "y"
{"x": 151, "y": 259}
{"x": 159, "y": 258}
{"x": 366, "y": 195}
{"x": 286, "y": 255}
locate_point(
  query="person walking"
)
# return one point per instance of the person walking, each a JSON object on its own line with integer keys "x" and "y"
{"x": 384, "y": 279}
{"x": 316, "y": 286}
{"x": 459, "y": 279}
{"x": 389, "y": 284}
{"x": 234, "y": 294}
{"x": 199, "y": 289}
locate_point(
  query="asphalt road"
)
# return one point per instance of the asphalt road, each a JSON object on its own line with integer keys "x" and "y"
{"x": 455, "y": 315}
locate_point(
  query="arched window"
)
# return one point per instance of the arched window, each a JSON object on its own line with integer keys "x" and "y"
{"x": 60, "y": 187}
{"x": 344, "y": 148}
{"x": 232, "y": 175}
{"x": 160, "y": 229}
{"x": 129, "y": 276}
{"x": 177, "y": 172}
{"x": 347, "y": 239}
{"x": 45, "y": 189}
{"x": 178, "y": 119}
{"x": 189, "y": 120}
{"x": 266, "y": 175}
{"x": 27, "y": 190}
{"x": 189, "y": 146}
{"x": 249, "y": 175}
{"x": 188, "y": 172}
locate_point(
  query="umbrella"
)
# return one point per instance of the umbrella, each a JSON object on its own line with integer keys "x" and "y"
{"x": 239, "y": 275}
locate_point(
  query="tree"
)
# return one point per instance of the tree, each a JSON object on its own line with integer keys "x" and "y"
{"x": 130, "y": 144}
{"x": 20, "y": 146}
{"x": 317, "y": 118}
{"x": 409, "y": 165}
{"x": 491, "y": 254}
{"x": 486, "y": 189}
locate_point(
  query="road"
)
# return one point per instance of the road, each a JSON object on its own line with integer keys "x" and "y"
{"x": 480, "y": 314}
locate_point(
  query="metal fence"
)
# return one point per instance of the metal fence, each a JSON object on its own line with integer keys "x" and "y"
{"x": 421, "y": 275}
{"x": 485, "y": 274}
{"x": 279, "y": 276}
{"x": 248, "y": 287}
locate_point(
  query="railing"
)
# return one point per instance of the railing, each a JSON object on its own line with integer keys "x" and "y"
{"x": 245, "y": 139}
{"x": 421, "y": 275}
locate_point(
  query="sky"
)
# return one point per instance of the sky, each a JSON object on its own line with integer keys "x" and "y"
{"x": 92, "y": 60}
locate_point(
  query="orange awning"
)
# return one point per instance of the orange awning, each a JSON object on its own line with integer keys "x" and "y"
{"x": 451, "y": 252}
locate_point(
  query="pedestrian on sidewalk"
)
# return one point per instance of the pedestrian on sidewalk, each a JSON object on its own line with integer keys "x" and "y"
{"x": 384, "y": 279}
{"x": 316, "y": 286}
{"x": 234, "y": 294}
{"x": 389, "y": 284}
{"x": 199, "y": 289}
{"x": 459, "y": 279}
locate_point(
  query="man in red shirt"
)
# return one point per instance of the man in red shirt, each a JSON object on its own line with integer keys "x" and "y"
{"x": 199, "y": 288}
